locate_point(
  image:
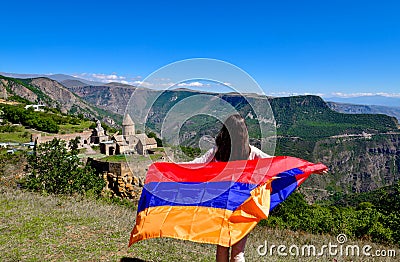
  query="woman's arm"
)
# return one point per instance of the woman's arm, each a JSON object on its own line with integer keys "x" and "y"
{"x": 257, "y": 153}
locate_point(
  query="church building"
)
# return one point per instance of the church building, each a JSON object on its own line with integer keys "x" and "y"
{"x": 129, "y": 142}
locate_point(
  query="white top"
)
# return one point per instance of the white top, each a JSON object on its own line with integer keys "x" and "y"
{"x": 255, "y": 153}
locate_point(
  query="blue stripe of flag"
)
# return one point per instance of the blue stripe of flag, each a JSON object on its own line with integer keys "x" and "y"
{"x": 224, "y": 194}
{"x": 283, "y": 186}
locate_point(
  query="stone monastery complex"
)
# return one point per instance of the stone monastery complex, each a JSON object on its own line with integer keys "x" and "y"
{"x": 126, "y": 143}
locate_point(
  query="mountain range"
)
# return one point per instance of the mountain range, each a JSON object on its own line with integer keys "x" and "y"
{"x": 365, "y": 109}
{"x": 362, "y": 104}
{"x": 52, "y": 93}
{"x": 375, "y": 100}
{"x": 361, "y": 150}
{"x": 57, "y": 77}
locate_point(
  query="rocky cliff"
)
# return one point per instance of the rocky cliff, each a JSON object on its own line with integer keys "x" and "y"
{"x": 365, "y": 109}
{"x": 357, "y": 164}
{"x": 9, "y": 87}
{"x": 50, "y": 93}
{"x": 109, "y": 97}
{"x": 65, "y": 99}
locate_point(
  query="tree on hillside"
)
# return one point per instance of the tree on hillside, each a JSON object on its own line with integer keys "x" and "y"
{"x": 54, "y": 169}
{"x": 19, "y": 115}
{"x": 158, "y": 140}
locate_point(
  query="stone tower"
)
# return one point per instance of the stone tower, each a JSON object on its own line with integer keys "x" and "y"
{"x": 128, "y": 126}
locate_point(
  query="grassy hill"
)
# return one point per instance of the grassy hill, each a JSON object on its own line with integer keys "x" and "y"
{"x": 306, "y": 128}
{"x": 306, "y": 117}
{"x": 17, "y": 119}
{"x": 52, "y": 94}
{"x": 310, "y": 117}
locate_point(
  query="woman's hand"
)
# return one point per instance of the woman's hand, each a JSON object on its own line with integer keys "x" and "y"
{"x": 322, "y": 171}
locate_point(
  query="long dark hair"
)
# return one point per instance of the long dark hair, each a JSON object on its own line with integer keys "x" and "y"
{"x": 232, "y": 140}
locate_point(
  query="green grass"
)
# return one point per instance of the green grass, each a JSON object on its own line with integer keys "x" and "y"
{"x": 50, "y": 228}
{"x": 18, "y": 137}
{"x": 21, "y": 135}
{"x": 156, "y": 157}
{"x": 70, "y": 128}
{"x": 123, "y": 158}
{"x": 115, "y": 158}
{"x": 158, "y": 150}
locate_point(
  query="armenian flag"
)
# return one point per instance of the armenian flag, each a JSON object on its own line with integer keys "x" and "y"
{"x": 217, "y": 203}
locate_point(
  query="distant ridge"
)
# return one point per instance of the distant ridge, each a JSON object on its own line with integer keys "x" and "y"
{"x": 365, "y": 109}
{"x": 72, "y": 83}
{"x": 377, "y": 100}
{"x": 116, "y": 84}
{"x": 63, "y": 77}
{"x": 57, "y": 77}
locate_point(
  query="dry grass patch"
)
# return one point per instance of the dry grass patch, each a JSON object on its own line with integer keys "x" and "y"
{"x": 49, "y": 228}
{"x": 34, "y": 227}
{"x": 37, "y": 228}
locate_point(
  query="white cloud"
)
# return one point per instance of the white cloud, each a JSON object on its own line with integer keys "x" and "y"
{"x": 314, "y": 94}
{"x": 284, "y": 93}
{"x": 134, "y": 81}
{"x": 142, "y": 84}
{"x": 108, "y": 78}
{"x": 337, "y": 94}
{"x": 162, "y": 79}
{"x": 351, "y": 95}
{"x": 192, "y": 84}
{"x": 156, "y": 83}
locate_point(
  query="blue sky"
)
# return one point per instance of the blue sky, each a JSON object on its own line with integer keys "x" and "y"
{"x": 288, "y": 47}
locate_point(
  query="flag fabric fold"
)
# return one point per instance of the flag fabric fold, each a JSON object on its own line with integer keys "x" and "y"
{"x": 218, "y": 203}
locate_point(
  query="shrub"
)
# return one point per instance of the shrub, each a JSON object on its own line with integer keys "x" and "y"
{"x": 364, "y": 221}
{"x": 54, "y": 169}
